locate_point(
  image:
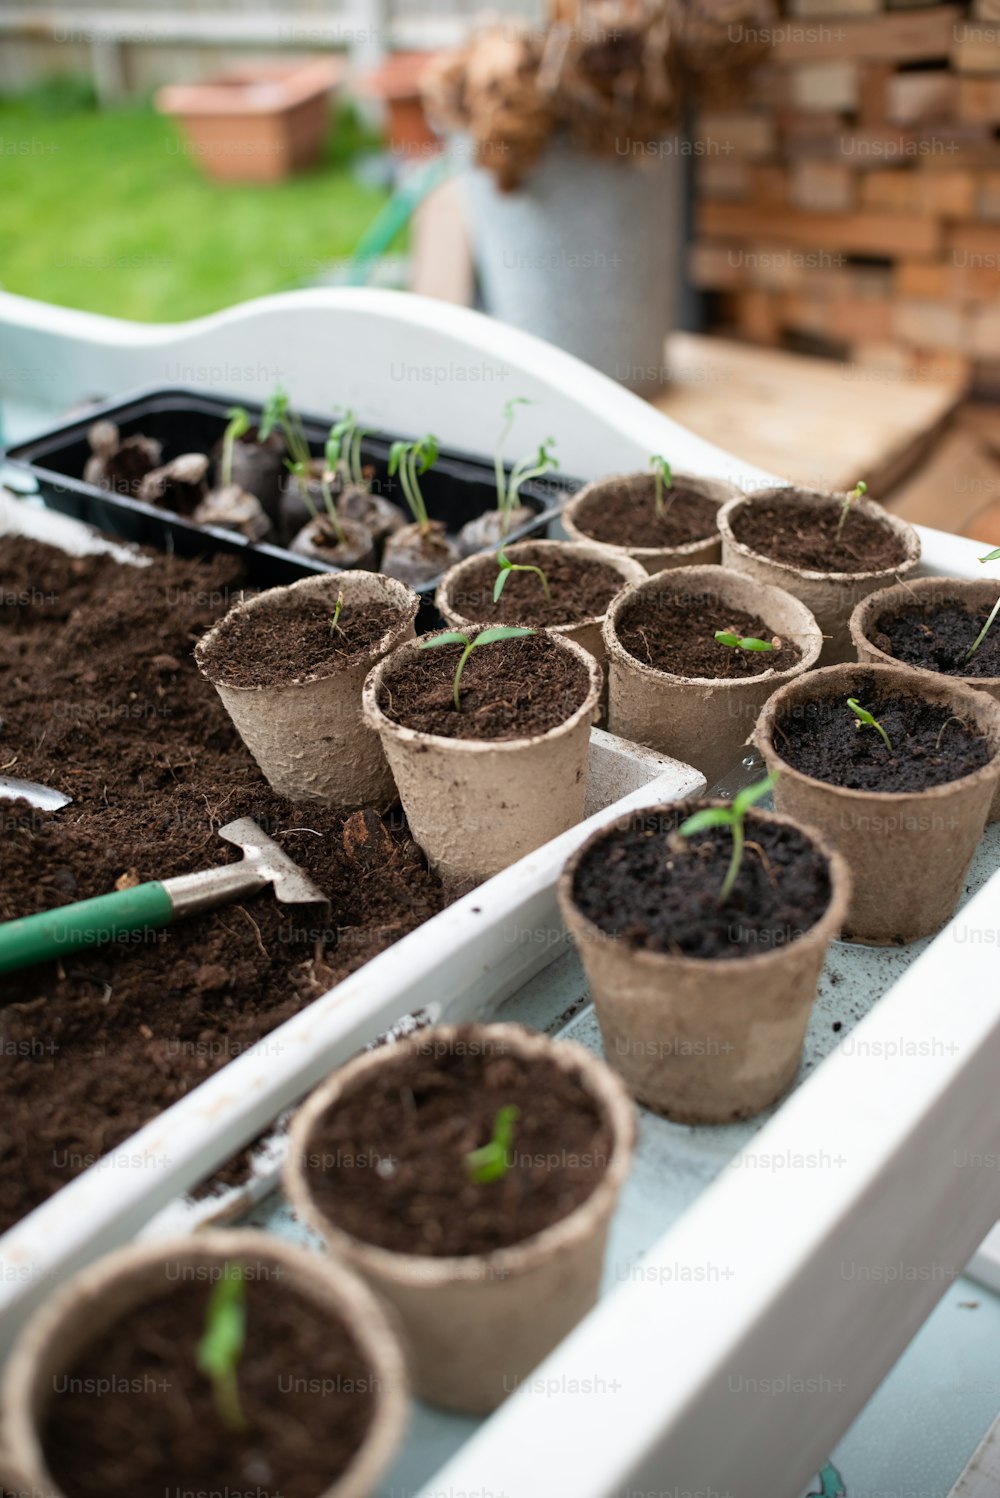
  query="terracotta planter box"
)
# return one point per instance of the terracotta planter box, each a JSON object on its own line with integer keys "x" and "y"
{"x": 258, "y": 123}
{"x": 396, "y": 81}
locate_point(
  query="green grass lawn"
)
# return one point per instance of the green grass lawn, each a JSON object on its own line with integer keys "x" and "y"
{"x": 106, "y": 212}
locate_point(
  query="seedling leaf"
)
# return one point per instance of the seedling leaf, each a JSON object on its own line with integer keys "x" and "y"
{"x": 732, "y": 817}
{"x": 741, "y": 642}
{"x": 864, "y": 719}
{"x": 489, "y": 1163}
{"x": 222, "y": 1343}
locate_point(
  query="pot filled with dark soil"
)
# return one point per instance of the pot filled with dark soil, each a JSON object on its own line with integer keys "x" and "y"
{"x": 793, "y": 539}
{"x": 559, "y": 585}
{"x": 469, "y": 1173}
{"x": 897, "y": 769}
{"x": 490, "y": 760}
{"x": 290, "y": 665}
{"x": 230, "y": 1361}
{"x": 623, "y": 515}
{"x": 674, "y": 686}
{"x": 932, "y": 624}
{"x": 703, "y": 950}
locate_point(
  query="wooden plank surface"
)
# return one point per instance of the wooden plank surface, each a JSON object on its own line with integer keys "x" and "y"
{"x": 874, "y": 233}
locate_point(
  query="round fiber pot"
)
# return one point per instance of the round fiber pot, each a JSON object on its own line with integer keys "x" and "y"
{"x": 319, "y": 541}
{"x": 924, "y": 593}
{"x": 703, "y": 721}
{"x": 907, "y": 852}
{"x": 831, "y": 596}
{"x": 459, "y": 592}
{"x": 581, "y": 514}
{"x": 699, "y": 1039}
{"x": 475, "y": 806}
{"x": 308, "y": 734}
{"x": 258, "y": 467}
{"x": 115, "y": 1290}
{"x": 476, "y": 1325}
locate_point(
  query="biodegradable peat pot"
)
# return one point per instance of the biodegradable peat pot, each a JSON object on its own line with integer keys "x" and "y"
{"x": 477, "y": 805}
{"x": 829, "y": 594}
{"x": 464, "y": 597}
{"x": 475, "y": 1323}
{"x": 908, "y": 851}
{"x": 600, "y": 513}
{"x": 704, "y": 721}
{"x": 258, "y": 467}
{"x": 701, "y": 1038}
{"x": 84, "y": 1316}
{"x": 918, "y": 601}
{"x": 319, "y": 540}
{"x": 307, "y": 732}
{"x": 417, "y": 556}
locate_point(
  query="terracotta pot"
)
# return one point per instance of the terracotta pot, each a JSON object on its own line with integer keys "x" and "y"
{"x": 256, "y": 123}
{"x": 587, "y": 632}
{"x": 698, "y": 1040}
{"x": 308, "y": 735}
{"x": 924, "y": 592}
{"x": 907, "y": 852}
{"x": 473, "y": 805}
{"x": 396, "y": 81}
{"x": 588, "y": 500}
{"x": 475, "y": 1326}
{"x": 830, "y": 596}
{"x": 111, "y": 1290}
{"x": 357, "y": 549}
{"x": 704, "y": 721}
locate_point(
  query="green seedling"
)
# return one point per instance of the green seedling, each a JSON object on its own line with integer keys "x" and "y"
{"x": 507, "y": 567}
{"x": 490, "y": 1162}
{"x": 237, "y": 427}
{"x": 741, "y": 642}
{"x": 663, "y": 479}
{"x": 409, "y": 460}
{"x": 222, "y": 1343}
{"x": 849, "y": 502}
{"x": 733, "y": 817}
{"x": 343, "y": 449}
{"x": 485, "y": 637}
{"x": 279, "y": 413}
{"x": 335, "y": 628}
{"x": 864, "y": 719}
{"x": 991, "y": 556}
{"x": 525, "y": 469}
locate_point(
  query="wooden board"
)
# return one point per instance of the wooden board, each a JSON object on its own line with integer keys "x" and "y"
{"x": 813, "y": 421}
{"x": 874, "y": 233}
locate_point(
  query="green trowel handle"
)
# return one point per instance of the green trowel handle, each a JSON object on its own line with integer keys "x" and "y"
{"x": 34, "y": 938}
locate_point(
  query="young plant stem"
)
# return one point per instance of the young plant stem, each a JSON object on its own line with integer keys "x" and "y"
{"x": 662, "y": 478}
{"x": 409, "y": 459}
{"x": 484, "y": 637}
{"x": 222, "y": 1343}
{"x": 335, "y": 621}
{"x": 991, "y": 556}
{"x": 944, "y": 725}
{"x": 524, "y": 470}
{"x": 498, "y": 464}
{"x": 507, "y": 567}
{"x": 848, "y": 505}
{"x": 732, "y": 817}
{"x": 238, "y": 426}
{"x": 864, "y": 719}
{"x": 490, "y": 1163}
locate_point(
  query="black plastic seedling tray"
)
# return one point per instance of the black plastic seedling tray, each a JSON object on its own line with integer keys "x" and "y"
{"x": 459, "y": 487}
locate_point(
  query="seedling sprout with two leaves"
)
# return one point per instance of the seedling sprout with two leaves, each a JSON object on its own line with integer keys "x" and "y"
{"x": 507, "y": 567}
{"x": 864, "y": 719}
{"x": 490, "y": 1162}
{"x": 410, "y": 460}
{"x": 485, "y": 637}
{"x": 849, "y": 502}
{"x": 732, "y": 817}
{"x": 525, "y": 469}
{"x": 278, "y": 413}
{"x": 662, "y": 479}
{"x": 221, "y": 1346}
{"x": 742, "y": 642}
{"x": 237, "y": 427}
{"x": 991, "y": 556}
{"x": 343, "y": 449}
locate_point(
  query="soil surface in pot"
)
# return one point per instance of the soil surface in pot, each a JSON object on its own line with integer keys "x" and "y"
{"x": 627, "y": 516}
{"x": 929, "y": 746}
{"x": 808, "y": 538}
{"x": 411, "y": 1129}
{"x": 678, "y": 635}
{"x": 658, "y": 892}
{"x": 939, "y": 638}
{"x": 581, "y": 588}
{"x": 510, "y": 689}
{"x": 305, "y": 1389}
{"x": 101, "y": 698}
{"x": 258, "y": 649}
